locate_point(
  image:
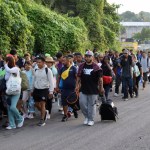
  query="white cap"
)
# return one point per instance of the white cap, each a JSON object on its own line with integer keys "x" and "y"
{"x": 89, "y": 53}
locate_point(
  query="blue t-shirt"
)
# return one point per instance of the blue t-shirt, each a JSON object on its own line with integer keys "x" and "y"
{"x": 70, "y": 82}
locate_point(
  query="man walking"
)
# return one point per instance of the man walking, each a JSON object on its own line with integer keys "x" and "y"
{"x": 145, "y": 67}
{"x": 67, "y": 77}
{"x": 90, "y": 83}
{"x": 43, "y": 88}
{"x": 126, "y": 64}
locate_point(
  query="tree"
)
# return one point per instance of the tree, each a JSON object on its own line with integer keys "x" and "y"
{"x": 101, "y": 19}
{"x": 54, "y": 32}
{"x": 129, "y": 16}
{"x": 143, "y": 35}
{"x": 111, "y": 25}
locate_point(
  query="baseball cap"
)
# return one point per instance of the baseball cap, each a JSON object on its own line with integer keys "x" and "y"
{"x": 126, "y": 51}
{"x": 89, "y": 53}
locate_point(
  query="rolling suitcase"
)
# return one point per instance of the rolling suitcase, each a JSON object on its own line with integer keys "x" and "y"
{"x": 108, "y": 111}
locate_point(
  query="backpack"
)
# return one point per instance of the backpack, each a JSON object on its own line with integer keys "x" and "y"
{"x": 1, "y": 63}
{"x": 136, "y": 70}
{"x": 2, "y": 85}
{"x": 25, "y": 82}
{"x": 13, "y": 85}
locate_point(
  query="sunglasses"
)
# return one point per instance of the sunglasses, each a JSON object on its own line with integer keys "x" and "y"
{"x": 88, "y": 56}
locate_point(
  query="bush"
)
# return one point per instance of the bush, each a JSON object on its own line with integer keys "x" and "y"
{"x": 15, "y": 28}
{"x": 54, "y": 32}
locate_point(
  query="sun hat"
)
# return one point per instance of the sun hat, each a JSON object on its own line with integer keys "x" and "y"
{"x": 49, "y": 59}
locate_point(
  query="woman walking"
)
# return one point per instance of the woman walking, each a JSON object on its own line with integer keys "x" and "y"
{"x": 13, "y": 113}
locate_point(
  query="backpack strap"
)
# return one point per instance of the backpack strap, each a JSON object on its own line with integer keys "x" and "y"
{"x": 46, "y": 70}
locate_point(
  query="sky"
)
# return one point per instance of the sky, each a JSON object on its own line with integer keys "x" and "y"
{"x": 132, "y": 5}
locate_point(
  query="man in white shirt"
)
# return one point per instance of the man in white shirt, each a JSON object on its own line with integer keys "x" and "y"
{"x": 43, "y": 88}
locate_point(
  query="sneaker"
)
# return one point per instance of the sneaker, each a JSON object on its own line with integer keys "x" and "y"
{"x": 126, "y": 99}
{"x": 90, "y": 123}
{"x": 60, "y": 109}
{"x": 131, "y": 95}
{"x": 62, "y": 112}
{"x": 116, "y": 95}
{"x": 21, "y": 123}
{"x": 65, "y": 118}
{"x": 85, "y": 121}
{"x": 30, "y": 116}
{"x": 9, "y": 128}
{"x": 53, "y": 101}
{"x": 25, "y": 116}
{"x": 41, "y": 123}
{"x": 46, "y": 115}
{"x": 97, "y": 104}
{"x": 75, "y": 114}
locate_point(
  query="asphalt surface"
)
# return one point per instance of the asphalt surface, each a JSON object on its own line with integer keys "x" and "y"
{"x": 130, "y": 132}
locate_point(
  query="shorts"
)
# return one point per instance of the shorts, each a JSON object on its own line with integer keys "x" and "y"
{"x": 145, "y": 78}
{"x": 64, "y": 95}
{"x": 40, "y": 95}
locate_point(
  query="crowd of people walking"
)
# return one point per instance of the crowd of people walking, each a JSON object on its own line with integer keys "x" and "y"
{"x": 35, "y": 82}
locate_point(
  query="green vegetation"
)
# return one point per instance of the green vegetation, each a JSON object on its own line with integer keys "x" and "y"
{"x": 129, "y": 16}
{"x": 143, "y": 36}
{"x": 53, "y": 25}
{"x": 15, "y": 29}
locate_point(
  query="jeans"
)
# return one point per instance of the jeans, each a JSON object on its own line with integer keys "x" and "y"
{"x": 128, "y": 86}
{"x": 117, "y": 84}
{"x": 13, "y": 113}
{"x": 107, "y": 90}
{"x": 88, "y": 105}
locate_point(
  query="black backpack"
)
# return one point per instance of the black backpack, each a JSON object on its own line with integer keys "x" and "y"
{"x": 2, "y": 85}
{"x": 1, "y": 63}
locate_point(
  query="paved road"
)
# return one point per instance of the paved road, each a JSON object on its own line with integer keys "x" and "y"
{"x": 130, "y": 132}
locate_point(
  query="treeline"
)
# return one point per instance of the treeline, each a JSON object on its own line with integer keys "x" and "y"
{"x": 129, "y": 16}
{"x": 53, "y": 25}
